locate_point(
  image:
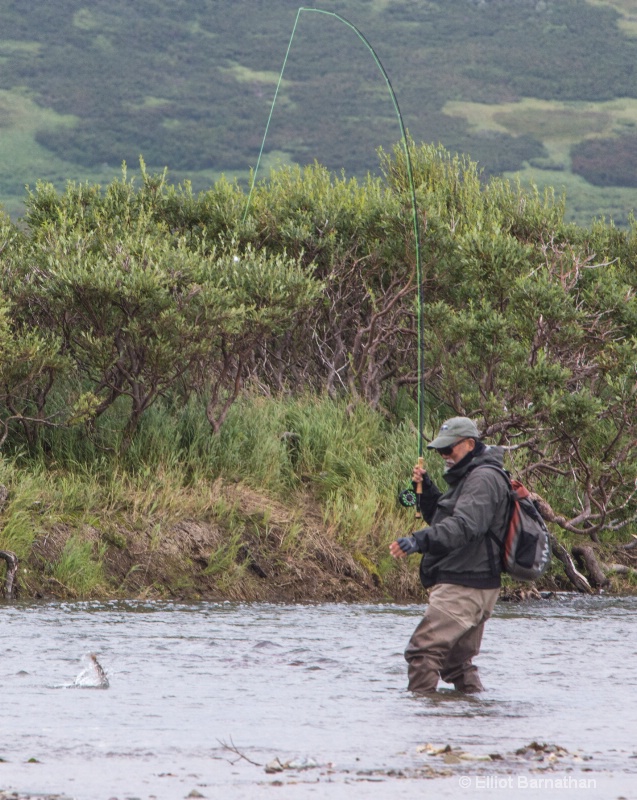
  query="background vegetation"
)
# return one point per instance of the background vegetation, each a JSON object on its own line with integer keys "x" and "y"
{"x": 194, "y": 386}
{"x": 546, "y": 89}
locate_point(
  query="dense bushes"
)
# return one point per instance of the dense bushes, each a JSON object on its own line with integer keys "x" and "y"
{"x": 138, "y": 311}
{"x": 127, "y": 295}
{"x": 607, "y": 162}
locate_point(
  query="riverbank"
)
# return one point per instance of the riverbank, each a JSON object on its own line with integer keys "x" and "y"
{"x": 236, "y": 544}
{"x": 247, "y": 548}
{"x": 294, "y": 500}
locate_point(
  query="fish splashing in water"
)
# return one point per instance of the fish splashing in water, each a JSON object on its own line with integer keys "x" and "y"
{"x": 93, "y": 675}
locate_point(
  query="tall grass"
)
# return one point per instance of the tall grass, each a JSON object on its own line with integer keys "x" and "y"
{"x": 80, "y": 568}
{"x": 346, "y": 459}
{"x": 344, "y": 454}
{"x": 23, "y": 511}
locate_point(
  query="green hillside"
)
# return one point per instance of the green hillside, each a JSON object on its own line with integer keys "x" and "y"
{"x": 542, "y": 88}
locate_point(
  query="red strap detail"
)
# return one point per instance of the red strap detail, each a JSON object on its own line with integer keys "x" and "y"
{"x": 520, "y": 490}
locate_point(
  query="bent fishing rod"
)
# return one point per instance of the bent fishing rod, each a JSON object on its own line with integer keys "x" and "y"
{"x": 414, "y": 206}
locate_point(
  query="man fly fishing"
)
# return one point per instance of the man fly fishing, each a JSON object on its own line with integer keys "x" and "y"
{"x": 460, "y": 563}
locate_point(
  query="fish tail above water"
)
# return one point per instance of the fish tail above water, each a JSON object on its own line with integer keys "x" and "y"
{"x": 93, "y": 676}
{"x": 101, "y": 674}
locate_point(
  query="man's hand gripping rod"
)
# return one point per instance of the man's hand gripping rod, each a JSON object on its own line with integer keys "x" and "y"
{"x": 421, "y": 465}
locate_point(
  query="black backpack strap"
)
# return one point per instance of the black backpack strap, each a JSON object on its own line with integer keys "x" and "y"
{"x": 499, "y": 543}
{"x": 501, "y": 470}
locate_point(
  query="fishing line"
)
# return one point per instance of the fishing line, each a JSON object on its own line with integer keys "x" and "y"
{"x": 405, "y": 143}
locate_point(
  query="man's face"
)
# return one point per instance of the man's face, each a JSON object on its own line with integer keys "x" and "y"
{"x": 456, "y": 452}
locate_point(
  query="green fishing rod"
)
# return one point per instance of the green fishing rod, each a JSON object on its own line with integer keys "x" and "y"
{"x": 414, "y": 207}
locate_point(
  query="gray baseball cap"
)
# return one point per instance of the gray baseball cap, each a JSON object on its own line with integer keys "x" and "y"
{"x": 453, "y": 430}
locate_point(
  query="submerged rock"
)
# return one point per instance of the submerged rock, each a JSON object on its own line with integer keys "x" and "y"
{"x": 539, "y": 751}
{"x": 452, "y": 755}
{"x": 276, "y": 765}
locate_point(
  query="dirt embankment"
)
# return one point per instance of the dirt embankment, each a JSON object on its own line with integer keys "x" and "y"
{"x": 259, "y": 550}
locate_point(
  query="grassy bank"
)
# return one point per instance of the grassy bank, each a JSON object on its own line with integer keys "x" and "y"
{"x": 294, "y": 500}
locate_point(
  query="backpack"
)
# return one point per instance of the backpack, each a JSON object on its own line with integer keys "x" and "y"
{"x": 526, "y": 546}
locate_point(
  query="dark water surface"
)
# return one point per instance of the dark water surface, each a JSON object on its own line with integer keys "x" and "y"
{"x": 198, "y": 692}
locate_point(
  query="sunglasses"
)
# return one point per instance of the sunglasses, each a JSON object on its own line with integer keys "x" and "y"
{"x": 447, "y": 451}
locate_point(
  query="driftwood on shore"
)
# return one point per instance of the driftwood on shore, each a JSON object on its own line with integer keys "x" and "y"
{"x": 619, "y": 569}
{"x": 586, "y": 558}
{"x": 10, "y": 588}
{"x": 574, "y": 575}
{"x": 582, "y": 558}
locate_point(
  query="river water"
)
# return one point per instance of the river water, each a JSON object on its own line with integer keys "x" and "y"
{"x": 203, "y": 697}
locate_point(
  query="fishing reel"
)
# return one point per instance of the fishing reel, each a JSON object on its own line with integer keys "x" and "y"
{"x": 407, "y": 498}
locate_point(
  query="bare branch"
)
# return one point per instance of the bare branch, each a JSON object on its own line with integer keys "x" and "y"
{"x": 232, "y": 748}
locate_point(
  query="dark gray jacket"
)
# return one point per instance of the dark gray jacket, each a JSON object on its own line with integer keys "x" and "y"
{"x": 456, "y": 548}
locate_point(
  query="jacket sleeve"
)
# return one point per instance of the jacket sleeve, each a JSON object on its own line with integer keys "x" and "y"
{"x": 478, "y": 506}
{"x": 428, "y": 500}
